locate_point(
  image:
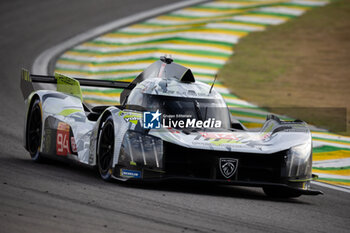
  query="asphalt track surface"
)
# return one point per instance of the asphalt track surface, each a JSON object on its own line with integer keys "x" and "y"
{"x": 59, "y": 197}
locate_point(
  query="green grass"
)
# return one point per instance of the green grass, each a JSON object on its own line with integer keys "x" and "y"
{"x": 300, "y": 68}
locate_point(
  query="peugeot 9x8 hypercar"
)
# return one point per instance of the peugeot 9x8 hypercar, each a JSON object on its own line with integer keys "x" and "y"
{"x": 167, "y": 126}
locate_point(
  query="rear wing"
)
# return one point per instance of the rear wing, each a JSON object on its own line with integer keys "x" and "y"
{"x": 66, "y": 84}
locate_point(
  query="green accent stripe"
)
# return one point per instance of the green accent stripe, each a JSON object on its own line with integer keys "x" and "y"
{"x": 67, "y": 112}
{"x": 68, "y": 85}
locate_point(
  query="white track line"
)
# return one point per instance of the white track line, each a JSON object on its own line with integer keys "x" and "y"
{"x": 41, "y": 63}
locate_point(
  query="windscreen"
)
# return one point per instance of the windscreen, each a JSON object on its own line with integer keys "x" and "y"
{"x": 180, "y": 108}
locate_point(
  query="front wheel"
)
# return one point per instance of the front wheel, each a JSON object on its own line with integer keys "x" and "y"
{"x": 105, "y": 149}
{"x": 280, "y": 192}
{"x": 33, "y": 134}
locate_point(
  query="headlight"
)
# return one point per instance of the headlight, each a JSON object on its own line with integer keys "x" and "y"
{"x": 299, "y": 160}
{"x": 141, "y": 149}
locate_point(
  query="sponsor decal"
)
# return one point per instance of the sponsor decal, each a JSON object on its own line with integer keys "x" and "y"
{"x": 265, "y": 135}
{"x": 73, "y": 144}
{"x": 151, "y": 120}
{"x": 130, "y": 117}
{"x": 174, "y": 131}
{"x": 220, "y": 139}
{"x": 62, "y": 139}
{"x": 220, "y": 136}
{"x": 130, "y": 173}
{"x": 221, "y": 142}
{"x": 228, "y": 167}
{"x": 161, "y": 70}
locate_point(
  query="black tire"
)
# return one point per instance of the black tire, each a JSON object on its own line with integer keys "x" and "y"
{"x": 105, "y": 149}
{"x": 34, "y": 128}
{"x": 280, "y": 192}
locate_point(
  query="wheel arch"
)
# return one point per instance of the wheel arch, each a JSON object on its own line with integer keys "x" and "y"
{"x": 95, "y": 136}
{"x": 106, "y": 117}
{"x": 31, "y": 99}
{"x": 103, "y": 117}
{"x": 117, "y": 121}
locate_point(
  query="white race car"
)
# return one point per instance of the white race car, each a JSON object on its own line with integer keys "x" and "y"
{"x": 168, "y": 126}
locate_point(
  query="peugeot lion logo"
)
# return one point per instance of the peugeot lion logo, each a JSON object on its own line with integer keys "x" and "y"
{"x": 228, "y": 166}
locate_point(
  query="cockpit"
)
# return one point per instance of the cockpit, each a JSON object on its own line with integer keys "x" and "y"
{"x": 180, "y": 101}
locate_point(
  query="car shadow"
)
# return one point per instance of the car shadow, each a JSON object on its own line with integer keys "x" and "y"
{"x": 211, "y": 189}
{"x": 180, "y": 186}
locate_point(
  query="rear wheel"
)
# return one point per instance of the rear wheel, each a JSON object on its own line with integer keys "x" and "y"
{"x": 280, "y": 192}
{"x": 105, "y": 149}
{"x": 33, "y": 135}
